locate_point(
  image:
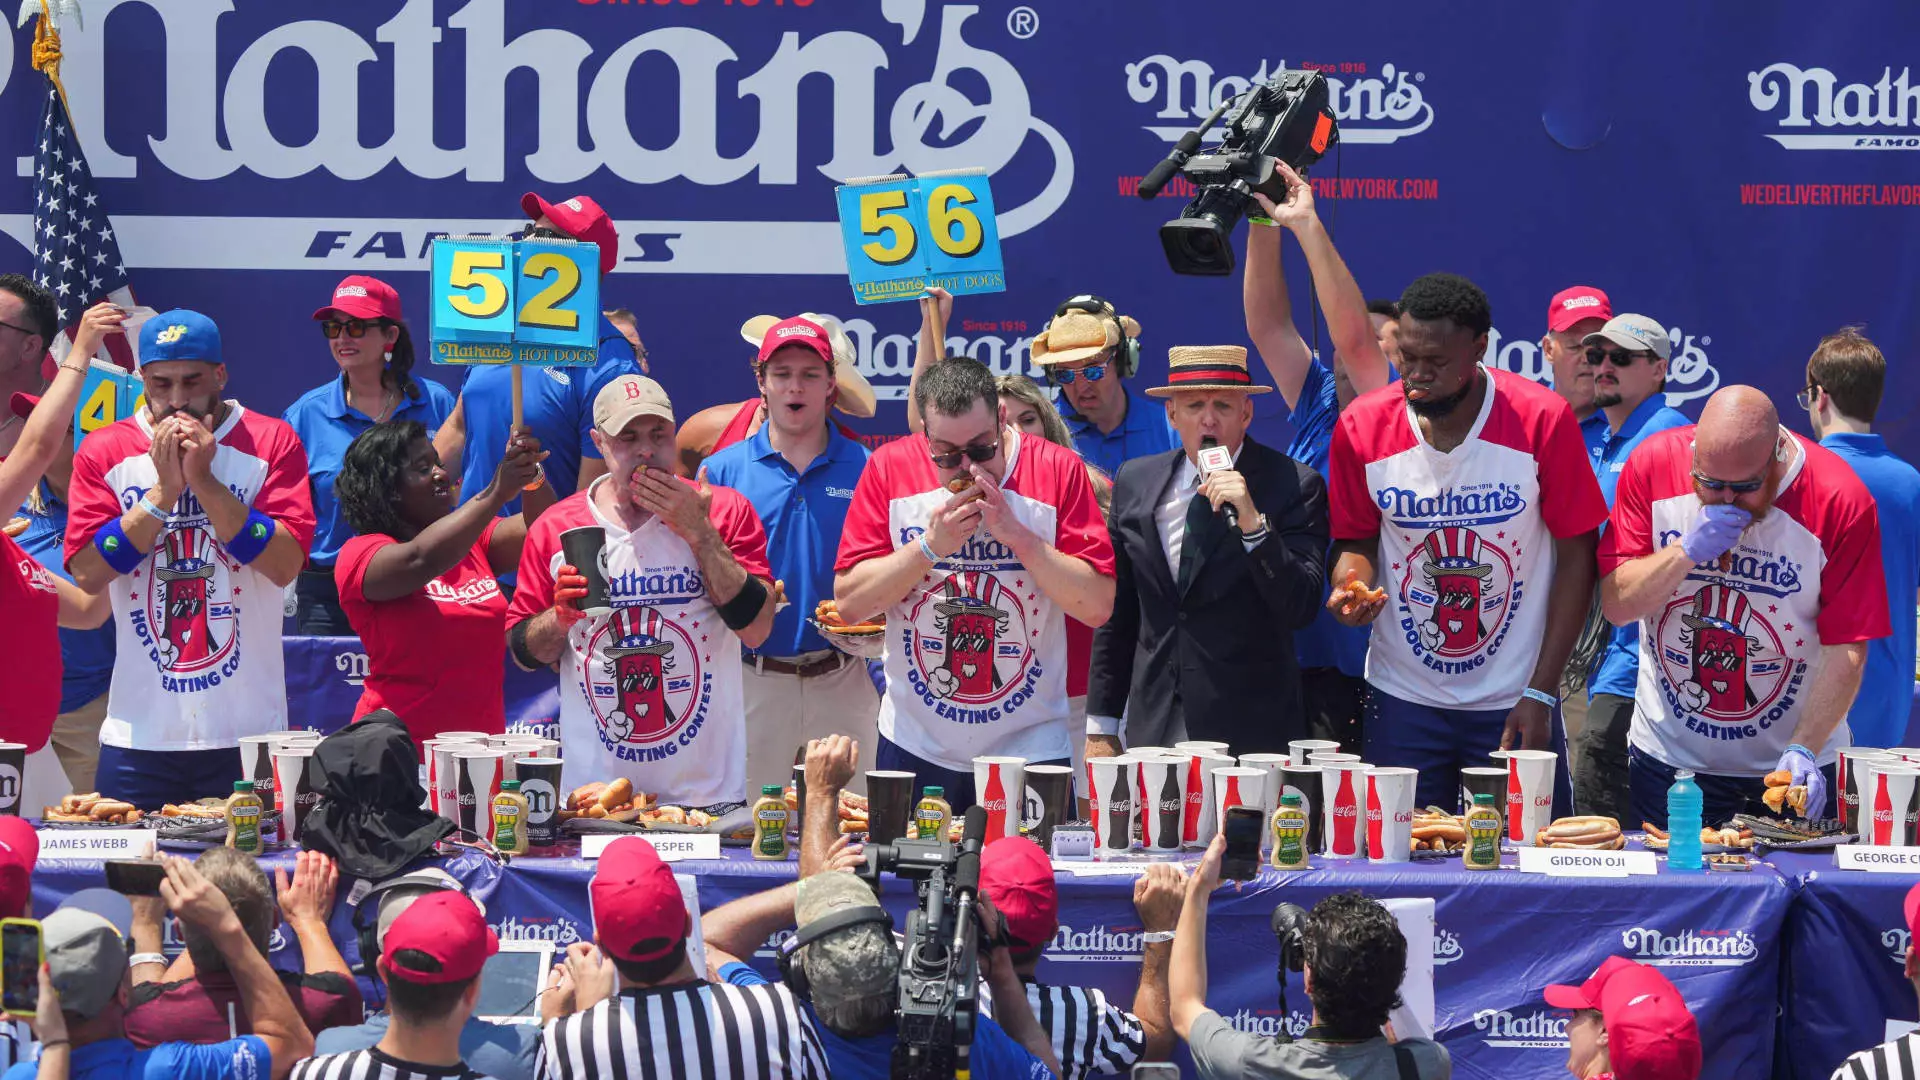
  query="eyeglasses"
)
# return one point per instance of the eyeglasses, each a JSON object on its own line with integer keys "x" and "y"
{"x": 1738, "y": 487}
{"x": 1804, "y": 398}
{"x": 1620, "y": 358}
{"x": 22, "y": 329}
{"x": 1091, "y": 373}
{"x": 978, "y": 453}
{"x": 354, "y": 328}
{"x": 542, "y": 232}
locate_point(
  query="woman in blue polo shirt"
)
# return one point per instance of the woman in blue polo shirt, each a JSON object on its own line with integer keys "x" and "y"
{"x": 371, "y": 344}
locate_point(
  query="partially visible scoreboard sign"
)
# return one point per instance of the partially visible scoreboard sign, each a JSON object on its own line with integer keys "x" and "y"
{"x": 904, "y": 234}
{"x": 499, "y": 301}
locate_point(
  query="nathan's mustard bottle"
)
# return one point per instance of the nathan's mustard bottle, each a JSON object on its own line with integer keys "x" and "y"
{"x": 933, "y": 814}
{"x": 243, "y": 819}
{"x": 1290, "y": 835}
{"x": 770, "y": 824}
{"x": 510, "y": 819}
{"x": 1483, "y": 835}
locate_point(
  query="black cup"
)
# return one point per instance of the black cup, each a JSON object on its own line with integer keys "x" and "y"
{"x": 1304, "y": 781}
{"x": 540, "y": 784}
{"x": 1483, "y": 780}
{"x": 13, "y": 776}
{"x": 1048, "y": 802}
{"x": 889, "y": 805}
{"x": 799, "y": 797}
{"x": 582, "y": 546}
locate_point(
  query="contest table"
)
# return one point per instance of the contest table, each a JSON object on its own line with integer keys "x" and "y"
{"x": 1499, "y": 938}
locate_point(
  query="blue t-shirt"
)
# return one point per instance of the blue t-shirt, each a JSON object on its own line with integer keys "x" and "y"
{"x": 1144, "y": 430}
{"x": 86, "y": 656}
{"x": 993, "y": 1056}
{"x": 326, "y": 425}
{"x": 803, "y": 515}
{"x": 1325, "y": 643}
{"x": 558, "y": 408}
{"x": 244, "y": 1058}
{"x": 1880, "y": 711}
{"x": 1619, "y": 668}
{"x": 499, "y": 1051}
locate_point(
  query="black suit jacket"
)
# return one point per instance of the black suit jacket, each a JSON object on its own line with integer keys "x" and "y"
{"x": 1219, "y": 653}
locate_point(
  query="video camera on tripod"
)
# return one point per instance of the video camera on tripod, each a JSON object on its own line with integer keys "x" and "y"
{"x": 940, "y": 963}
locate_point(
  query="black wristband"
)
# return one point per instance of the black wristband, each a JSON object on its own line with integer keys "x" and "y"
{"x": 517, "y": 642}
{"x": 739, "y": 612}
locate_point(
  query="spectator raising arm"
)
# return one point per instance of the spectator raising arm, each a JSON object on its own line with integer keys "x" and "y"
{"x": 1187, "y": 975}
{"x": 830, "y": 764}
{"x": 50, "y": 1030}
{"x": 936, "y": 308}
{"x": 305, "y": 903}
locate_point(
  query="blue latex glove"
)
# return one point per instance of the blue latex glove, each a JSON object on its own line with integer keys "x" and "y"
{"x": 1715, "y": 528}
{"x": 1798, "y": 760}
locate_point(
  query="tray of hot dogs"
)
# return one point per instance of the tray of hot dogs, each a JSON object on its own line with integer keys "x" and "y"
{"x": 866, "y": 640}
{"x": 91, "y": 810}
{"x": 614, "y": 806}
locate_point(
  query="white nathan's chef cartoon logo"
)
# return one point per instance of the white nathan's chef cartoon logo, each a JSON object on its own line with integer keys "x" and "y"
{"x": 1463, "y": 584}
{"x": 970, "y": 640}
{"x": 1882, "y": 114}
{"x": 1719, "y": 656}
{"x": 1372, "y": 108}
{"x": 643, "y": 676}
{"x": 191, "y": 605}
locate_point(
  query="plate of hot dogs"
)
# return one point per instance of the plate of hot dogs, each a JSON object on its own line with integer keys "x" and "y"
{"x": 1438, "y": 834}
{"x": 1712, "y": 841}
{"x": 1592, "y": 832}
{"x": 863, "y": 639}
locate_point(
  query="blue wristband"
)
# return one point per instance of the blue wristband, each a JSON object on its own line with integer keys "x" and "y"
{"x": 1791, "y": 747}
{"x": 1540, "y": 696}
{"x": 116, "y": 547}
{"x": 252, "y": 538}
{"x": 927, "y": 550}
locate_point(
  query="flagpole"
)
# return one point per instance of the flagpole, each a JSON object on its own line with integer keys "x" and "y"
{"x": 46, "y": 54}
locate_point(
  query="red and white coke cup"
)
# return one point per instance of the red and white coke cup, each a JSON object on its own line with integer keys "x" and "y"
{"x": 1895, "y": 804}
{"x": 295, "y": 791}
{"x": 477, "y": 774}
{"x": 1906, "y": 753}
{"x": 1238, "y": 786}
{"x": 1851, "y": 789}
{"x": 1390, "y": 814}
{"x": 1529, "y": 792}
{"x": 1113, "y": 781}
{"x": 440, "y": 772}
{"x": 1343, "y": 796}
{"x": 1299, "y": 750}
{"x": 1204, "y": 746}
{"x": 1271, "y": 764}
{"x": 999, "y": 785}
{"x": 1201, "y": 820}
{"x": 1161, "y": 781}
{"x": 1330, "y": 757}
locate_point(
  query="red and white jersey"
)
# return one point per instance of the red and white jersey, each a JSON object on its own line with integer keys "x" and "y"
{"x": 198, "y": 638}
{"x": 1466, "y": 538}
{"x": 651, "y": 692}
{"x": 976, "y": 654}
{"x": 1726, "y": 660}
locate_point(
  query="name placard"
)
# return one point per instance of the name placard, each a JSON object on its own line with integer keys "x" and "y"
{"x": 673, "y": 847}
{"x": 1877, "y": 860}
{"x": 1572, "y": 862}
{"x": 96, "y": 845}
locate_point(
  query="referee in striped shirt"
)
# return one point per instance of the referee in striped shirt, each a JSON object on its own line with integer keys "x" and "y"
{"x": 431, "y": 960}
{"x": 636, "y": 1009}
{"x": 1090, "y": 1034}
{"x": 1898, "y": 1059}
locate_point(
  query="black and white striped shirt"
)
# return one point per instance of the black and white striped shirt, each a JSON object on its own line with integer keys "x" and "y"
{"x": 16, "y": 1043}
{"x": 1090, "y": 1034}
{"x": 1896, "y": 1060}
{"x": 371, "y": 1064}
{"x": 709, "y": 1031}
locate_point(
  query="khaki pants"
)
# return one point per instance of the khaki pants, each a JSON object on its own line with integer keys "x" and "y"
{"x": 76, "y": 740}
{"x": 784, "y": 711}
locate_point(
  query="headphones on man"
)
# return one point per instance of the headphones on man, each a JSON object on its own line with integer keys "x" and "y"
{"x": 1126, "y": 356}
{"x": 793, "y": 972}
{"x": 366, "y": 928}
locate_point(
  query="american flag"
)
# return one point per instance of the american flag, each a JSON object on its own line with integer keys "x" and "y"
{"x": 75, "y": 253}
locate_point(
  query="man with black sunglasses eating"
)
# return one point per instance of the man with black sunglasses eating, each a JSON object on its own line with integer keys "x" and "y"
{"x": 1750, "y": 557}
{"x": 976, "y": 543}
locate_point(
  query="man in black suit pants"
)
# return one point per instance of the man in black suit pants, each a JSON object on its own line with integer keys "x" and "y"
{"x": 1215, "y": 567}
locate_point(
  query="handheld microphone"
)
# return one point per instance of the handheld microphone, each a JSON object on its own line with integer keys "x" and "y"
{"x": 1215, "y": 458}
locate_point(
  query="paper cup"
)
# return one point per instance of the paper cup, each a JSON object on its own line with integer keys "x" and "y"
{"x": 518, "y": 750}
{"x": 1144, "y": 752}
{"x": 1113, "y": 781}
{"x": 480, "y": 737}
{"x": 890, "y": 800}
{"x": 999, "y": 787}
{"x": 446, "y": 776}
{"x": 1895, "y": 803}
{"x": 1201, "y": 744}
{"x": 1304, "y": 781}
{"x": 585, "y": 549}
{"x": 1529, "y": 793}
{"x": 1483, "y": 780}
{"x": 294, "y": 790}
{"x": 1299, "y": 750}
{"x": 1343, "y": 791}
{"x": 800, "y": 799}
{"x": 1047, "y": 803}
{"x": 13, "y": 772}
{"x": 1271, "y": 764}
{"x": 1851, "y": 772}
{"x": 1330, "y": 757}
{"x": 540, "y": 783}
{"x": 1905, "y": 753}
{"x": 1390, "y": 814}
{"x": 1163, "y": 802}
{"x": 477, "y": 775}
{"x": 1237, "y": 786}
{"x": 1202, "y": 819}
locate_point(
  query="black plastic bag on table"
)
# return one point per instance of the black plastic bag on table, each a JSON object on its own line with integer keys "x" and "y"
{"x": 370, "y": 820}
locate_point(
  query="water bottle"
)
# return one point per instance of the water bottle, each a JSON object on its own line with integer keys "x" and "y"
{"x": 1683, "y": 823}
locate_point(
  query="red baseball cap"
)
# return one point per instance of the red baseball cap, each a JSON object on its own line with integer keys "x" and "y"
{"x": 23, "y": 403}
{"x": 581, "y": 218}
{"x": 1587, "y": 994}
{"x": 635, "y": 899}
{"x": 362, "y": 297}
{"x": 1911, "y": 907}
{"x": 796, "y": 331}
{"x": 19, "y": 850}
{"x": 1018, "y": 878}
{"x": 446, "y": 926}
{"x": 1577, "y": 304}
{"x": 1650, "y": 1033}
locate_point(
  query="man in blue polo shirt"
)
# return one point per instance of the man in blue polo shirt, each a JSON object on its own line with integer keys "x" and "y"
{"x": 1088, "y": 351}
{"x": 1629, "y": 357}
{"x": 1844, "y": 380}
{"x": 557, "y": 402}
{"x": 799, "y": 473}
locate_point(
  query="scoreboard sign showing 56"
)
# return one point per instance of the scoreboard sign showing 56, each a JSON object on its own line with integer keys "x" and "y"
{"x": 903, "y": 234}
{"x": 500, "y": 301}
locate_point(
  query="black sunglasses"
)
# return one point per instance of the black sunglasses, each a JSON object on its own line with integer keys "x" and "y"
{"x": 353, "y": 328}
{"x": 1620, "y": 358}
{"x": 1738, "y": 487}
{"x": 977, "y": 453}
{"x": 542, "y": 232}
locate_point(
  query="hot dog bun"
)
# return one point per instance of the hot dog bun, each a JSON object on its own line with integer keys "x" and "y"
{"x": 1779, "y": 778}
{"x": 960, "y": 483}
{"x": 617, "y": 793}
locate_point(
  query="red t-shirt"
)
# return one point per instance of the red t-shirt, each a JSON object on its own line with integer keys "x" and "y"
{"x": 30, "y": 640}
{"x": 435, "y": 657}
{"x": 207, "y": 1009}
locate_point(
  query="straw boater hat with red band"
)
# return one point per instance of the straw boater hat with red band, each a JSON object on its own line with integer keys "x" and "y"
{"x": 1207, "y": 367}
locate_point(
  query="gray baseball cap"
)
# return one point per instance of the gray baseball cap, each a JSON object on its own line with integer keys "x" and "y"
{"x": 86, "y": 957}
{"x": 398, "y": 894}
{"x": 854, "y": 974}
{"x": 1638, "y": 333}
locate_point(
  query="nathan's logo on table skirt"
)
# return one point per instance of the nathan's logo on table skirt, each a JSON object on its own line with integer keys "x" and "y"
{"x": 970, "y": 641}
{"x": 1269, "y": 1023}
{"x": 190, "y": 604}
{"x": 1800, "y": 98}
{"x": 1446, "y": 947}
{"x": 771, "y": 947}
{"x": 352, "y": 666}
{"x": 553, "y": 928}
{"x": 1896, "y": 940}
{"x": 1722, "y": 659}
{"x": 1096, "y": 944}
{"x": 1374, "y": 103}
{"x": 1690, "y": 948}
{"x": 1535, "y": 1030}
{"x": 643, "y": 676}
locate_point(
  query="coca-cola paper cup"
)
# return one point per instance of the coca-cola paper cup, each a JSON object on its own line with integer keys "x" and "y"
{"x": 1113, "y": 781}
{"x": 1299, "y": 750}
{"x": 1201, "y": 822}
{"x": 477, "y": 772}
{"x": 1048, "y": 802}
{"x": 1343, "y": 793}
{"x": 295, "y": 789}
{"x": 445, "y": 775}
{"x": 1330, "y": 757}
{"x": 1894, "y": 803}
{"x": 1390, "y": 814}
{"x": 1850, "y": 784}
{"x": 1163, "y": 802}
{"x": 1271, "y": 764}
{"x": 1529, "y": 793}
{"x": 1237, "y": 786}
{"x": 999, "y": 785}
{"x": 1203, "y": 745}
{"x": 256, "y": 764}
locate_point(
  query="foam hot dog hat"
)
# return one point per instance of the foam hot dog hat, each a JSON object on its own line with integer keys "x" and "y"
{"x": 856, "y": 393}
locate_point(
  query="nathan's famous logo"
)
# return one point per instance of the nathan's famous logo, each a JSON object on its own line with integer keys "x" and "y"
{"x": 1897, "y": 940}
{"x": 1460, "y": 596}
{"x": 1535, "y": 1030}
{"x": 1690, "y": 371}
{"x": 643, "y": 677}
{"x": 1882, "y": 113}
{"x": 1722, "y": 660}
{"x": 353, "y": 666}
{"x": 1690, "y": 948}
{"x": 557, "y": 929}
{"x": 970, "y": 643}
{"x": 1446, "y": 947}
{"x": 1096, "y": 943}
{"x": 1371, "y": 109}
{"x": 1270, "y": 1023}
{"x": 188, "y": 622}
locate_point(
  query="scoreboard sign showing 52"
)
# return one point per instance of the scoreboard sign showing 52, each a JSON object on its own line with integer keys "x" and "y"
{"x": 497, "y": 301}
{"x": 904, "y": 234}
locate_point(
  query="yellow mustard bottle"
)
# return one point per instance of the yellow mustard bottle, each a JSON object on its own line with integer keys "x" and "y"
{"x": 933, "y": 813}
{"x": 1290, "y": 835}
{"x": 770, "y": 824}
{"x": 1483, "y": 835}
{"x": 510, "y": 819}
{"x": 243, "y": 819}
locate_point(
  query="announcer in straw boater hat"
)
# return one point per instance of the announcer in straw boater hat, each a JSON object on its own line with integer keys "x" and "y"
{"x": 1211, "y": 540}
